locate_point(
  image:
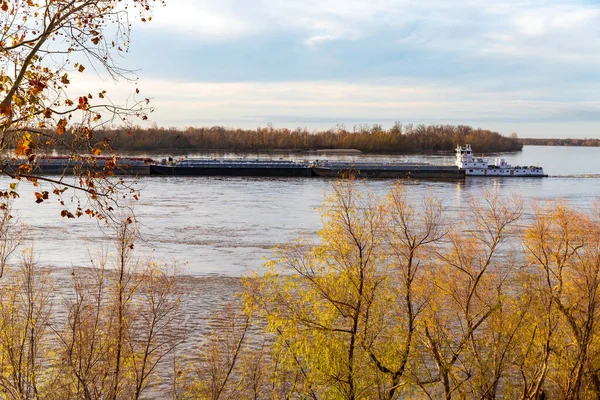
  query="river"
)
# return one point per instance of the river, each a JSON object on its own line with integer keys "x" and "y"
{"x": 228, "y": 226}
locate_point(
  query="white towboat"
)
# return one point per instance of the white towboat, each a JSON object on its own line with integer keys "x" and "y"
{"x": 478, "y": 166}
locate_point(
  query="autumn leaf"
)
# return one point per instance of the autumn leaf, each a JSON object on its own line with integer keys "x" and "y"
{"x": 23, "y": 146}
{"x": 19, "y": 101}
{"x": 5, "y": 108}
{"x": 83, "y": 103}
{"x": 23, "y": 150}
{"x": 96, "y": 151}
{"x": 40, "y": 197}
{"x": 60, "y": 129}
{"x": 66, "y": 213}
{"x": 81, "y": 68}
{"x": 37, "y": 86}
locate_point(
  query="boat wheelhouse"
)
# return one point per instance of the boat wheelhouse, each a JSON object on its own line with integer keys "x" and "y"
{"x": 479, "y": 166}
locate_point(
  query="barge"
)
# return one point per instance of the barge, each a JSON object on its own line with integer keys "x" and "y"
{"x": 387, "y": 170}
{"x": 325, "y": 169}
{"x": 60, "y": 165}
{"x": 231, "y": 167}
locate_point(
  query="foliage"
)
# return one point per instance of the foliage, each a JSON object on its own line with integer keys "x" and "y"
{"x": 587, "y": 142}
{"x": 44, "y": 46}
{"x": 104, "y": 340}
{"x": 401, "y": 300}
{"x": 371, "y": 139}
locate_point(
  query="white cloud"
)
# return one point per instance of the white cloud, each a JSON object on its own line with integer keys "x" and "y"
{"x": 204, "y": 103}
{"x": 322, "y": 104}
{"x": 552, "y": 20}
{"x": 203, "y": 19}
{"x": 531, "y": 24}
{"x": 546, "y": 42}
{"x": 461, "y": 25}
{"x": 318, "y": 39}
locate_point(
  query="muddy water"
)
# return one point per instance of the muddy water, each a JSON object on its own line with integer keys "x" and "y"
{"x": 228, "y": 226}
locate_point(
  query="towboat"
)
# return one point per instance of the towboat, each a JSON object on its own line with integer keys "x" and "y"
{"x": 479, "y": 166}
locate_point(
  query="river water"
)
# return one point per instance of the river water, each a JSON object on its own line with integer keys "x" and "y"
{"x": 228, "y": 226}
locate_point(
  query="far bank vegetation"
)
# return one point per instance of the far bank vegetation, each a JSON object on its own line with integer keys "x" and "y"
{"x": 366, "y": 138}
{"x": 589, "y": 142}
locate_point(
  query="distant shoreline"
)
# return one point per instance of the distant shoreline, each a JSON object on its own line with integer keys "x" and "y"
{"x": 368, "y": 139}
{"x": 561, "y": 142}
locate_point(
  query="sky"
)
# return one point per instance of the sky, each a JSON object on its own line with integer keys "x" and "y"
{"x": 526, "y": 66}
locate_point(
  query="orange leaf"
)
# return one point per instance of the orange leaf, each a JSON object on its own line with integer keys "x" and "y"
{"x": 66, "y": 213}
{"x": 21, "y": 149}
{"x": 83, "y": 103}
{"x": 60, "y": 129}
{"x": 5, "y": 108}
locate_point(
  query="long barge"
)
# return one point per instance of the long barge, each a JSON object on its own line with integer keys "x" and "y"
{"x": 271, "y": 168}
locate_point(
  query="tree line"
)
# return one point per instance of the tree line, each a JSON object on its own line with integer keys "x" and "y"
{"x": 367, "y": 138}
{"x": 589, "y": 142}
{"x": 395, "y": 299}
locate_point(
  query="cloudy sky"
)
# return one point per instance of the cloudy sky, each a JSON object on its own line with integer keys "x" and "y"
{"x": 525, "y": 66}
